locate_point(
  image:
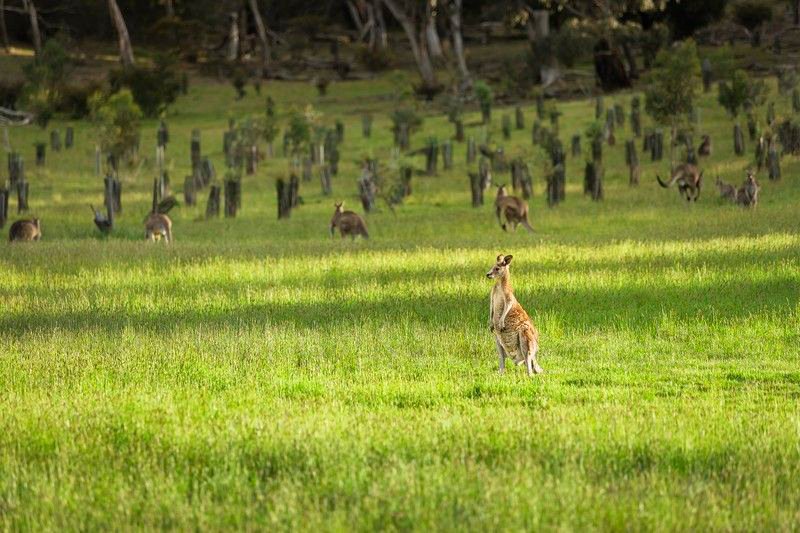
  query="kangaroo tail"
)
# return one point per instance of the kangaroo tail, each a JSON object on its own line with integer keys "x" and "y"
{"x": 665, "y": 185}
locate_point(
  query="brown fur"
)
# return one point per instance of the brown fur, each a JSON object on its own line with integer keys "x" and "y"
{"x": 689, "y": 180}
{"x": 25, "y": 230}
{"x": 747, "y": 195}
{"x": 348, "y": 222}
{"x": 515, "y": 334}
{"x": 726, "y": 190}
{"x": 705, "y": 147}
{"x": 157, "y": 226}
{"x": 514, "y": 209}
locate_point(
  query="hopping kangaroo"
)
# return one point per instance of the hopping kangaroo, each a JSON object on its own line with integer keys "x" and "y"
{"x": 689, "y": 179}
{"x": 514, "y": 209}
{"x": 25, "y": 230}
{"x": 514, "y": 333}
{"x": 348, "y": 222}
{"x": 158, "y": 226}
{"x": 726, "y": 190}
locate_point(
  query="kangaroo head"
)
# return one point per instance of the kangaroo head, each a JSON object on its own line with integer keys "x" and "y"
{"x": 36, "y": 223}
{"x": 338, "y": 207}
{"x": 501, "y": 191}
{"x": 500, "y": 268}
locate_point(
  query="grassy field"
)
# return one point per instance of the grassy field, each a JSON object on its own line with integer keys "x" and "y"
{"x": 259, "y": 374}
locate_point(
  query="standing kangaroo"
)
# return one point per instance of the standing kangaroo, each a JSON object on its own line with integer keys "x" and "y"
{"x": 158, "y": 226}
{"x": 514, "y": 209}
{"x": 514, "y": 333}
{"x": 25, "y": 230}
{"x": 689, "y": 179}
{"x": 348, "y": 222}
{"x": 747, "y": 195}
{"x": 705, "y": 147}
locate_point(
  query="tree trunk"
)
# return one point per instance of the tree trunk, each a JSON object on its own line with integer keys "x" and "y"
{"x": 432, "y": 35}
{"x": 458, "y": 41}
{"x": 796, "y": 10}
{"x": 35, "y": 33}
{"x": 170, "y": 6}
{"x": 125, "y": 48}
{"x": 233, "y": 37}
{"x": 356, "y": 16}
{"x": 3, "y": 31}
{"x": 418, "y": 42}
{"x": 262, "y": 35}
{"x": 381, "y": 41}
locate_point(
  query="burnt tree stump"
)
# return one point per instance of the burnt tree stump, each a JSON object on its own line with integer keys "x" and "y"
{"x": 472, "y": 150}
{"x": 189, "y": 191}
{"x": 632, "y": 160}
{"x": 476, "y": 189}
{"x": 366, "y": 126}
{"x": 506, "y": 126}
{"x": 431, "y": 156}
{"x": 774, "y": 163}
{"x": 113, "y": 193}
{"x": 212, "y": 207}
{"x": 55, "y": 141}
{"x": 576, "y": 145}
{"x": 284, "y": 199}
{"x": 484, "y": 173}
{"x": 459, "y": 134}
{"x": 325, "y": 179}
{"x": 447, "y": 154}
{"x": 738, "y": 140}
{"x": 519, "y": 118}
{"x": 22, "y": 197}
{"x": 69, "y": 138}
{"x": 41, "y": 151}
{"x": 233, "y": 197}
{"x": 593, "y": 180}
{"x": 194, "y": 146}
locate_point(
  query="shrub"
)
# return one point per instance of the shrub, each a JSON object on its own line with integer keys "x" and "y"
{"x": 298, "y": 131}
{"x": 652, "y": 41}
{"x": 153, "y": 88}
{"x": 50, "y": 68}
{"x": 740, "y": 92}
{"x": 672, "y": 84}
{"x": 116, "y": 118}
{"x": 74, "y": 99}
{"x": 374, "y": 59}
{"x": 10, "y": 92}
{"x": 405, "y": 115}
{"x": 485, "y": 97}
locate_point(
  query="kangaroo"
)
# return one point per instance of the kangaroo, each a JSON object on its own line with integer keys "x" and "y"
{"x": 726, "y": 190}
{"x": 514, "y": 209}
{"x": 689, "y": 179}
{"x": 348, "y": 222}
{"x": 747, "y": 195}
{"x": 514, "y": 333}
{"x": 705, "y": 147}
{"x": 157, "y": 226}
{"x": 25, "y": 230}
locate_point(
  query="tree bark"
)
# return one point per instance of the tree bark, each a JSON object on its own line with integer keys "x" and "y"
{"x": 381, "y": 42}
{"x": 233, "y": 37}
{"x": 3, "y": 31}
{"x": 458, "y": 41}
{"x": 125, "y": 48}
{"x": 262, "y": 34}
{"x": 35, "y": 33}
{"x": 170, "y": 6}
{"x": 431, "y": 34}
{"x": 418, "y": 42}
{"x": 796, "y": 10}
{"x": 356, "y": 16}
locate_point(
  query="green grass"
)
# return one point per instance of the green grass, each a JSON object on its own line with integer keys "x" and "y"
{"x": 259, "y": 374}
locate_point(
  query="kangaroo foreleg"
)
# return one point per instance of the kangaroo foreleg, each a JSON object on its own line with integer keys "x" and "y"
{"x": 501, "y": 354}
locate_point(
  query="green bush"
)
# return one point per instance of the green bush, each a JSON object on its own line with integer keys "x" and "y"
{"x": 740, "y": 92}
{"x": 153, "y": 88}
{"x": 672, "y": 84}
{"x": 116, "y": 118}
{"x": 74, "y": 99}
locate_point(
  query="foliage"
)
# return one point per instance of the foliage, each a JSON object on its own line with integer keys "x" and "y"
{"x": 40, "y": 102}
{"x": 740, "y": 92}
{"x": 49, "y": 69}
{"x": 74, "y": 99}
{"x": 652, "y": 41}
{"x": 374, "y": 59}
{"x": 11, "y": 92}
{"x": 407, "y": 116}
{"x": 569, "y": 44}
{"x": 116, "y": 118}
{"x": 153, "y": 88}
{"x": 723, "y": 61}
{"x": 672, "y": 84}
{"x": 300, "y": 128}
{"x": 752, "y": 13}
{"x": 484, "y": 94}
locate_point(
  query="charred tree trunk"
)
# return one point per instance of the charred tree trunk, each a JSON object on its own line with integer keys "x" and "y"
{"x": 262, "y": 35}
{"x": 418, "y": 42}
{"x": 233, "y": 37}
{"x": 125, "y": 49}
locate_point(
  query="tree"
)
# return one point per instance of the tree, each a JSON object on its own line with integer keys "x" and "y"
{"x": 672, "y": 86}
{"x": 454, "y": 14}
{"x": 30, "y": 8}
{"x": 262, "y": 34}
{"x": 752, "y": 14}
{"x": 116, "y": 118}
{"x": 740, "y": 93}
{"x": 125, "y": 48}
{"x": 3, "y": 30}
{"x": 413, "y": 15}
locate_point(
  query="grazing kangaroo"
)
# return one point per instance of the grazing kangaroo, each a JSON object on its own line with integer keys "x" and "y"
{"x": 348, "y": 222}
{"x": 705, "y": 147}
{"x": 514, "y": 333}
{"x": 689, "y": 179}
{"x": 25, "y": 230}
{"x": 158, "y": 226}
{"x": 726, "y": 190}
{"x": 747, "y": 195}
{"x": 514, "y": 209}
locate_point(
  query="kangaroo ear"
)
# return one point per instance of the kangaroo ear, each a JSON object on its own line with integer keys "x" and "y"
{"x": 500, "y": 258}
{"x": 507, "y": 259}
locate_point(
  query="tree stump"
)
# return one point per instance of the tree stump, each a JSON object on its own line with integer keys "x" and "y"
{"x": 339, "y": 131}
{"x": 540, "y": 106}
{"x": 212, "y": 207}
{"x": 536, "y": 133}
{"x": 447, "y": 154}
{"x": 325, "y": 179}
{"x": 308, "y": 169}
{"x": 69, "y": 138}
{"x": 476, "y": 188}
{"x": 366, "y": 126}
{"x": 41, "y": 150}
{"x": 485, "y": 173}
{"x": 738, "y": 140}
{"x": 207, "y": 171}
{"x": 3, "y": 206}
{"x": 636, "y": 123}
{"x": 506, "y": 125}
{"x": 366, "y": 191}
{"x": 576, "y": 146}
{"x": 162, "y": 134}
{"x": 619, "y": 115}
{"x": 195, "y": 148}
{"x": 405, "y": 180}
{"x": 599, "y": 108}
{"x": 471, "y": 150}
{"x": 334, "y": 161}
{"x": 16, "y": 168}
{"x": 233, "y": 197}
{"x": 459, "y": 134}
{"x": 774, "y": 163}
{"x": 22, "y": 197}
{"x": 597, "y": 150}
{"x": 55, "y": 141}
{"x": 431, "y": 156}
{"x": 556, "y": 185}
{"x": 707, "y": 74}
{"x": 520, "y": 118}
{"x": 632, "y": 160}
{"x": 113, "y": 194}
{"x": 593, "y": 180}
{"x": 284, "y": 199}
{"x": 752, "y": 127}
{"x": 189, "y": 191}
{"x": 294, "y": 191}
